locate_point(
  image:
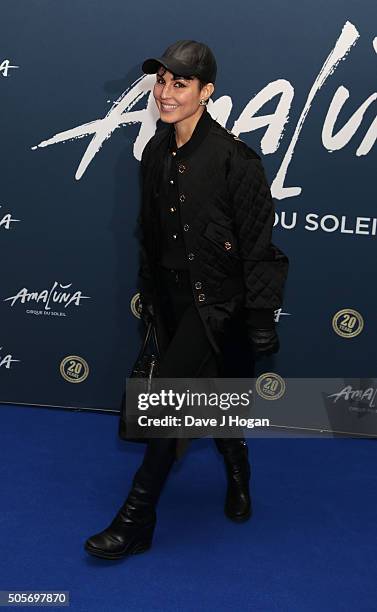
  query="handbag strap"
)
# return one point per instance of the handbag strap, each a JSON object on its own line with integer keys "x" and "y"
{"x": 151, "y": 329}
{"x": 156, "y": 341}
{"x": 145, "y": 340}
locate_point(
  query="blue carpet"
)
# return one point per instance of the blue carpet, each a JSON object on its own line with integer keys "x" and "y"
{"x": 310, "y": 545}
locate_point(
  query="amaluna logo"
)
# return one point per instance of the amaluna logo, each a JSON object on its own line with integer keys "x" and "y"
{"x": 4, "y": 67}
{"x": 6, "y": 360}
{"x": 335, "y": 134}
{"x": 47, "y": 296}
{"x": 359, "y": 395}
{"x": 279, "y": 313}
{"x": 6, "y": 220}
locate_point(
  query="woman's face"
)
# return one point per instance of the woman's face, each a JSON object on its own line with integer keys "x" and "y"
{"x": 177, "y": 97}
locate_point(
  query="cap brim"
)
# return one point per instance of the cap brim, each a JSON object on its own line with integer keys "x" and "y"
{"x": 152, "y": 64}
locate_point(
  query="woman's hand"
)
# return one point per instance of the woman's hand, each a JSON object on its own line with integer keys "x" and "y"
{"x": 265, "y": 341}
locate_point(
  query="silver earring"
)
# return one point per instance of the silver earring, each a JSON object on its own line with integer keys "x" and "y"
{"x": 203, "y": 102}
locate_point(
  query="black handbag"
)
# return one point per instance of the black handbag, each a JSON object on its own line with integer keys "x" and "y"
{"x": 145, "y": 368}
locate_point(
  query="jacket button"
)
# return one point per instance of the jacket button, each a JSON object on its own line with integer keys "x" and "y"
{"x": 175, "y": 236}
{"x": 201, "y": 297}
{"x": 191, "y": 256}
{"x": 228, "y": 245}
{"x": 172, "y": 209}
{"x": 174, "y": 152}
{"x": 198, "y": 285}
{"x": 181, "y": 168}
{"x": 182, "y": 197}
{"x": 185, "y": 227}
{"x": 171, "y": 181}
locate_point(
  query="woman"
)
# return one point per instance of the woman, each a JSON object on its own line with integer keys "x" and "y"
{"x": 206, "y": 258}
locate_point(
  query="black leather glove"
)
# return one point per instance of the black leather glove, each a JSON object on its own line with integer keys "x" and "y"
{"x": 264, "y": 341}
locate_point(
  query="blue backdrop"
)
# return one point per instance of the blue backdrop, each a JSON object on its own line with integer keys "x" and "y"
{"x": 296, "y": 82}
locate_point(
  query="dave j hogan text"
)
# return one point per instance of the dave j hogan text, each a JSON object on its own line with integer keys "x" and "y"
{"x": 226, "y": 420}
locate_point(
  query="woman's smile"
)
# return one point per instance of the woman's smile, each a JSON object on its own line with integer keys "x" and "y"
{"x": 168, "y": 108}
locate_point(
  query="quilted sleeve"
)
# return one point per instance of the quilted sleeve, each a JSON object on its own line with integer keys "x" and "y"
{"x": 265, "y": 266}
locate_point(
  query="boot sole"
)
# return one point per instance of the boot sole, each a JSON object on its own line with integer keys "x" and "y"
{"x": 130, "y": 551}
{"x": 239, "y": 519}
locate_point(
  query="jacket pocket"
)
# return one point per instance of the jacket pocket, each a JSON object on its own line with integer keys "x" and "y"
{"x": 222, "y": 237}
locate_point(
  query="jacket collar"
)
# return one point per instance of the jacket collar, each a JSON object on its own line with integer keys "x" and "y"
{"x": 201, "y": 130}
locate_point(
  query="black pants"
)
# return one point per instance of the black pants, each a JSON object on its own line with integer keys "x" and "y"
{"x": 188, "y": 354}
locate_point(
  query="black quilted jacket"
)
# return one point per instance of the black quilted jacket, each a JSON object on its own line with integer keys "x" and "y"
{"x": 227, "y": 213}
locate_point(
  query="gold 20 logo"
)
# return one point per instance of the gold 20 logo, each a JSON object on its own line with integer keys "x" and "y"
{"x": 347, "y": 323}
{"x": 74, "y": 369}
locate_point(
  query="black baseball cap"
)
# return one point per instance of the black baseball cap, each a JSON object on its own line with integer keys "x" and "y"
{"x": 185, "y": 58}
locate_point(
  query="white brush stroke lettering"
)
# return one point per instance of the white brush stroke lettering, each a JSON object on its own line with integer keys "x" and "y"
{"x": 6, "y": 360}
{"x": 6, "y": 220}
{"x": 56, "y": 296}
{"x": 121, "y": 114}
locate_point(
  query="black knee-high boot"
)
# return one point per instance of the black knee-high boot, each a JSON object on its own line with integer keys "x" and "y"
{"x": 131, "y": 531}
{"x": 237, "y": 500}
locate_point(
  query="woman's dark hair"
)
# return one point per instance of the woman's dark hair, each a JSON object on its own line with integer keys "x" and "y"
{"x": 200, "y": 82}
